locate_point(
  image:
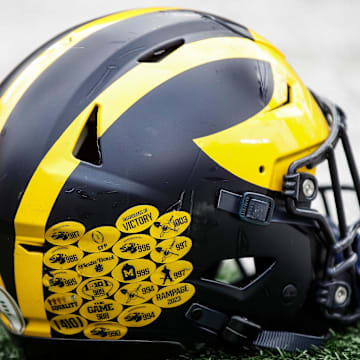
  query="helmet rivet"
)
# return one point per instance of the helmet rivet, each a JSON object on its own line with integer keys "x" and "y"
{"x": 341, "y": 295}
{"x": 196, "y": 314}
{"x": 308, "y": 188}
{"x": 289, "y": 293}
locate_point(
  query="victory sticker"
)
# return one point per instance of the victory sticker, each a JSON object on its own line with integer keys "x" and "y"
{"x": 68, "y": 324}
{"x": 105, "y": 331}
{"x": 140, "y": 315}
{"x": 61, "y": 281}
{"x": 101, "y": 310}
{"x": 173, "y": 273}
{"x": 99, "y": 239}
{"x": 98, "y": 288}
{"x": 134, "y": 246}
{"x": 137, "y": 219}
{"x": 133, "y": 270}
{"x": 136, "y": 293}
{"x": 63, "y": 257}
{"x": 97, "y": 264}
{"x": 63, "y": 303}
{"x": 174, "y": 295}
{"x": 65, "y": 233}
{"x": 171, "y": 250}
{"x": 170, "y": 225}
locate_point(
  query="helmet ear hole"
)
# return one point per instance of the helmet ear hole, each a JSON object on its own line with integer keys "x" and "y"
{"x": 240, "y": 272}
{"x": 261, "y": 169}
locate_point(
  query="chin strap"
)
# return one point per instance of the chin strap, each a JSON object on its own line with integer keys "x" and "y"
{"x": 239, "y": 331}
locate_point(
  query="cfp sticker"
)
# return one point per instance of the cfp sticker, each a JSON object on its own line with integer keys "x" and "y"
{"x": 170, "y": 225}
{"x": 101, "y": 310}
{"x": 98, "y": 288}
{"x": 134, "y": 270}
{"x": 99, "y": 239}
{"x": 65, "y": 233}
{"x": 174, "y": 295}
{"x": 106, "y": 330}
{"x": 134, "y": 246}
{"x": 140, "y": 315}
{"x": 171, "y": 250}
{"x": 136, "y": 293}
{"x": 97, "y": 264}
{"x": 61, "y": 281}
{"x": 173, "y": 273}
{"x": 63, "y": 257}
{"x": 68, "y": 324}
{"x": 137, "y": 219}
{"x": 63, "y": 303}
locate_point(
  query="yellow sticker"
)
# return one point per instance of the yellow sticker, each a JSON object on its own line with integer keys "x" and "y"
{"x": 97, "y": 264}
{"x": 99, "y": 239}
{"x": 68, "y": 324}
{"x": 139, "y": 315}
{"x": 65, "y": 233}
{"x": 61, "y": 281}
{"x": 133, "y": 270}
{"x": 107, "y": 330}
{"x": 170, "y": 225}
{"x": 101, "y": 310}
{"x": 171, "y": 250}
{"x": 98, "y": 288}
{"x": 134, "y": 246}
{"x": 63, "y": 303}
{"x": 137, "y": 219}
{"x": 174, "y": 295}
{"x": 173, "y": 273}
{"x": 63, "y": 257}
{"x": 136, "y": 293}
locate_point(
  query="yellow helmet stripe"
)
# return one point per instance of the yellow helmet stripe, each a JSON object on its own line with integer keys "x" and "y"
{"x": 24, "y": 80}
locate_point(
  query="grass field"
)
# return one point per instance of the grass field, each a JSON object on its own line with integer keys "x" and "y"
{"x": 342, "y": 346}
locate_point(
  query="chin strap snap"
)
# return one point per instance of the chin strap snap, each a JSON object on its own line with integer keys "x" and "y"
{"x": 239, "y": 331}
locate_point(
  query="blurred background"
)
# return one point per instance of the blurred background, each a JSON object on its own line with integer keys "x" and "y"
{"x": 319, "y": 38}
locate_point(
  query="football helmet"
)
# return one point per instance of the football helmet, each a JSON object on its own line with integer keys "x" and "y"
{"x": 157, "y": 189}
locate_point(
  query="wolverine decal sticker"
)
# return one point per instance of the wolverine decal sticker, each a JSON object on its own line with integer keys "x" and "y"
{"x": 101, "y": 310}
{"x": 99, "y": 239}
{"x": 97, "y": 264}
{"x": 65, "y": 233}
{"x": 108, "y": 330}
{"x": 63, "y": 303}
{"x": 134, "y": 270}
{"x": 170, "y": 225}
{"x": 63, "y": 257}
{"x": 134, "y": 246}
{"x": 138, "y": 316}
{"x": 98, "y": 288}
{"x": 68, "y": 324}
{"x": 137, "y": 219}
{"x": 137, "y": 293}
{"x": 61, "y": 281}
{"x": 174, "y": 295}
{"x": 171, "y": 250}
{"x": 172, "y": 273}
{"x": 99, "y": 282}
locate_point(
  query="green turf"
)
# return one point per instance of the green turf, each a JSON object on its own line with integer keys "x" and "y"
{"x": 342, "y": 346}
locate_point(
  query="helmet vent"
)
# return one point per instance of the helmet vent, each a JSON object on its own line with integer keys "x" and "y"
{"x": 240, "y": 272}
{"x": 88, "y": 148}
{"x": 286, "y": 101}
{"x": 162, "y": 51}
